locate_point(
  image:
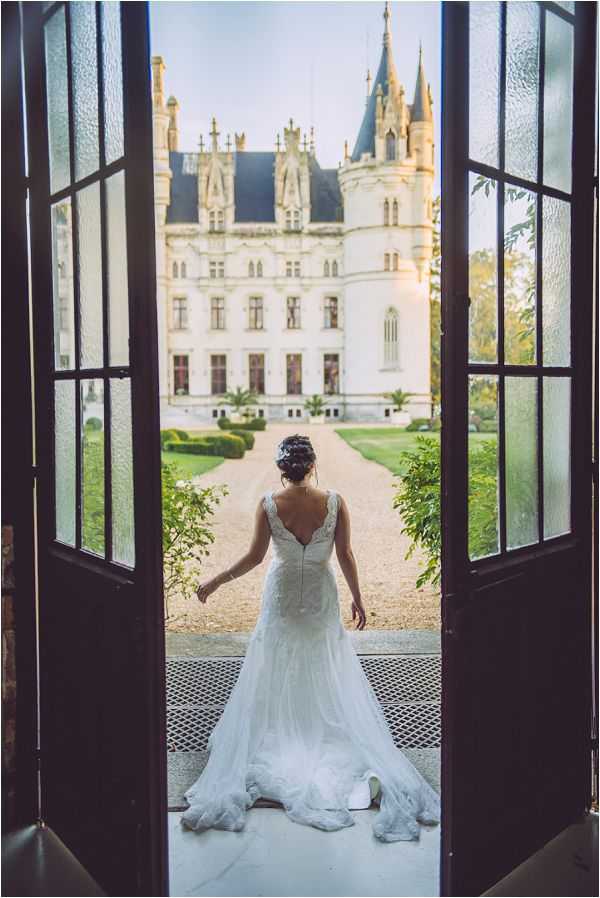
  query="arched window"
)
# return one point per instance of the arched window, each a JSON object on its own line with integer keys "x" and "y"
{"x": 250, "y": 269}
{"x": 395, "y": 212}
{"x": 390, "y": 146}
{"x": 390, "y": 337}
{"x": 326, "y": 269}
{"x": 183, "y": 270}
{"x": 334, "y": 268}
{"x": 259, "y": 270}
{"x": 386, "y": 262}
{"x": 386, "y": 213}
{"x": 395, "y": 261}
{"x": 175, "y": 270}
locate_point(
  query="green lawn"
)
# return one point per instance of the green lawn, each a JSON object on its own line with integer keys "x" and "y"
{"x": 384, "y": 444}
{"x": 192, "y": 465}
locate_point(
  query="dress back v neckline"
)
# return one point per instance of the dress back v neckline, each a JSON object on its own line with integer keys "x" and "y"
{"x": 314, "y": 533}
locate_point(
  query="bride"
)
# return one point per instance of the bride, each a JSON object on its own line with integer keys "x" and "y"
{"x": 303, "y": 726}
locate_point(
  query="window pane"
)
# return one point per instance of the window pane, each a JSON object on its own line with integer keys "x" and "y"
{"x": 558, "y": 102}
{"x": 85, "y": 87}
{"x": 121, "y": 451}
{"x": 113, "y": 81}
{"x": 557, "y": 450}
{"x": 90, "y": 276}
{"x": 519, "y": 276}
{"x": 484, "y": 40}
{"x": 483, "y": 466}
{"x": 483, "y": 270}
{"x": 62, "y": 285}
{"x": 118, "y": 305}
{"x": 522, "y": 72}
{"x": 521, "y": 461}
{"x": 92, "y": 466}
{"x": 556, "y": 281}
{"x": 64, "y": 466}
{"x": 57, "y": 98}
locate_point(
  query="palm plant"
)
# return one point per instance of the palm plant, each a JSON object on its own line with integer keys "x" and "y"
{"x": 315, "y": 406}
{"x": 399, "y": 398}
{"x": 239, "y": 399}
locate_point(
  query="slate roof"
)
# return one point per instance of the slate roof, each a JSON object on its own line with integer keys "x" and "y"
{"x": 254, "y": 186}
{"x": 421, "y": 108}
{"x": 365, "y": 142}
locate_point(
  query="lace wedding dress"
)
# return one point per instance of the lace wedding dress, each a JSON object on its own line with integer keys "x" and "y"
{"x": 303, "y": 726}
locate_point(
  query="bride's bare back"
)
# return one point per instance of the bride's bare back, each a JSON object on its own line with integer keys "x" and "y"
{"x": 302, "y": 510}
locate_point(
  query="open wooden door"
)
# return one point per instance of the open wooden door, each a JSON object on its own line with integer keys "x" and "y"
{"x": 102, "y": 727}
{"x": 517, "y": 250}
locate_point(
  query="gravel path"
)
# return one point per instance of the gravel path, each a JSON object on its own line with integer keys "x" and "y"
{"x": 387, "y": 580}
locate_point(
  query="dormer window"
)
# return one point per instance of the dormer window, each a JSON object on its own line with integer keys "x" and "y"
{"x": 292, "y": 220}
{"x": 212, "y": 221}
{"x": 326, "y": 269}
{"x": 296, "y": 220}
{"x": 390, "y": 146}
{"x": 216, "y": 220}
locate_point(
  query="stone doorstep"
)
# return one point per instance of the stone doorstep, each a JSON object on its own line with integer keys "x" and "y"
{"x": 371, "y": 642}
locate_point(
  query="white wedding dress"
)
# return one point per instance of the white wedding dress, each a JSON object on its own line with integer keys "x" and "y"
{"x": 303, "y": 726}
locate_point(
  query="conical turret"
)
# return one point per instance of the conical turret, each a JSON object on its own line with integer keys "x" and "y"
{"x": 421, "y": 108}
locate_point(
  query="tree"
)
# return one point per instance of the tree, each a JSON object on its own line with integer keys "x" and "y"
{"x": 315, "y": 406}
{"x": 239, "y": 398}
{"x": 399, "y": 398}
{"x": 187, "y": 530}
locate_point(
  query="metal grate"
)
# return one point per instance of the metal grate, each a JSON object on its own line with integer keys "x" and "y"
{"x": 408, "y": 687}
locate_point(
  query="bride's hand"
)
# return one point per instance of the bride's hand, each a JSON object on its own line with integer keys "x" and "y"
{"x": 358, "y": 609}
{"x": 205, "y": 589}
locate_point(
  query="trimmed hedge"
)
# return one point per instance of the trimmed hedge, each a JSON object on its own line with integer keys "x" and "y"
{"x": 418, "y": 423}
{"x": 246, "y": 435}
{"x": 226, "y": 445}
{"x": 93, "y": 424}
{"x": 168, "y": 436}
{"x": 253, "y": 424}
{"x": 181, "y": 434}
{"x": 488, "y": 426}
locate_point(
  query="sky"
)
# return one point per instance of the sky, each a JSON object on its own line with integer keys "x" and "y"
{"x": 254, "y": 65}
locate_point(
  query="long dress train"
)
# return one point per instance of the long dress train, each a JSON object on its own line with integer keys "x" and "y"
{"x": 303, "y": 725}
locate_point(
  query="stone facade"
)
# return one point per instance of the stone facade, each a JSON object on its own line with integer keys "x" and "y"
{"x": 278, "y": 275}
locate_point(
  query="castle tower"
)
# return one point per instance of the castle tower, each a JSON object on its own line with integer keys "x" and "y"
{"x": 387, "y": 185}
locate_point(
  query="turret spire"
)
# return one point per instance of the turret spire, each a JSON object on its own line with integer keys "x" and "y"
{"x": 421, "y": 110}
{"x": 387, "y": 31}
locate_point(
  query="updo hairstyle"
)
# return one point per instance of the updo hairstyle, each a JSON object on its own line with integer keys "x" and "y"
{"x": 295, "y": 455}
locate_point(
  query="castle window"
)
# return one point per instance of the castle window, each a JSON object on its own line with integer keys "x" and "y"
{"x": 256, "y": 373}
{"x": 288, "y": 269}
{"x": 259, "y": 269}
{"x": 296, "y": 220}
{"x": 216, "y": 269}
{"x": 331, "y": 311}
{"x": 390, "y": 337}
{"x": 250, "y": 269}
{"x": 326, "y": 269}
{"x": 212, "y": 223}
{"x": 255, "y": 313}
{"x": 386, "y": 213}
{"x": 293, "y": 312}
{"x": 218, "y": 374}
{"x": 217, "y": 313}
{"x": 179, "y": 313}
{"x": 288, "y": 220}
{"x": 395, "y": 261}
{"x": 293, "y": 370}
{"x": 175, "y": 270}
{"x": 220, "y": 220}
{"x": 386, "y": 262}
{"x": 331, "y": 373}
{"x": 181, "y": 375}
{"x": 334, "y": 268}
{"x": 183, "y": 270}
{"x": 395, "y": 212}
{"x": 390, "y": 146}
{"x": 296, "y": 269}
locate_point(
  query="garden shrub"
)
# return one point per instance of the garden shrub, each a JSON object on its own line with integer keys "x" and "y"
{"x": 253, "y": 424}
{"x": 489, "y": 426}
{"x": 226, "y": 445}
{"x": 417, "y": 423}
{"x": 246, "y": 436}
{"x": 187, "y": 530}
{"x": 168, "y": 436}
{"x": 224, "y": 423}
{"x": 181, "y": 434}
{"x": 418, "y": 501}
{"x": 93, "y": 424}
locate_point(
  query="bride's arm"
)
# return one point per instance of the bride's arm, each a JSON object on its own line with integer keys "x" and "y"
{"x": 343, "y": 549}
{"x": 253, "y": 557}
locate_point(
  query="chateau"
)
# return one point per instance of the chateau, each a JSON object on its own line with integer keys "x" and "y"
{"x": 289, "y": 279}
